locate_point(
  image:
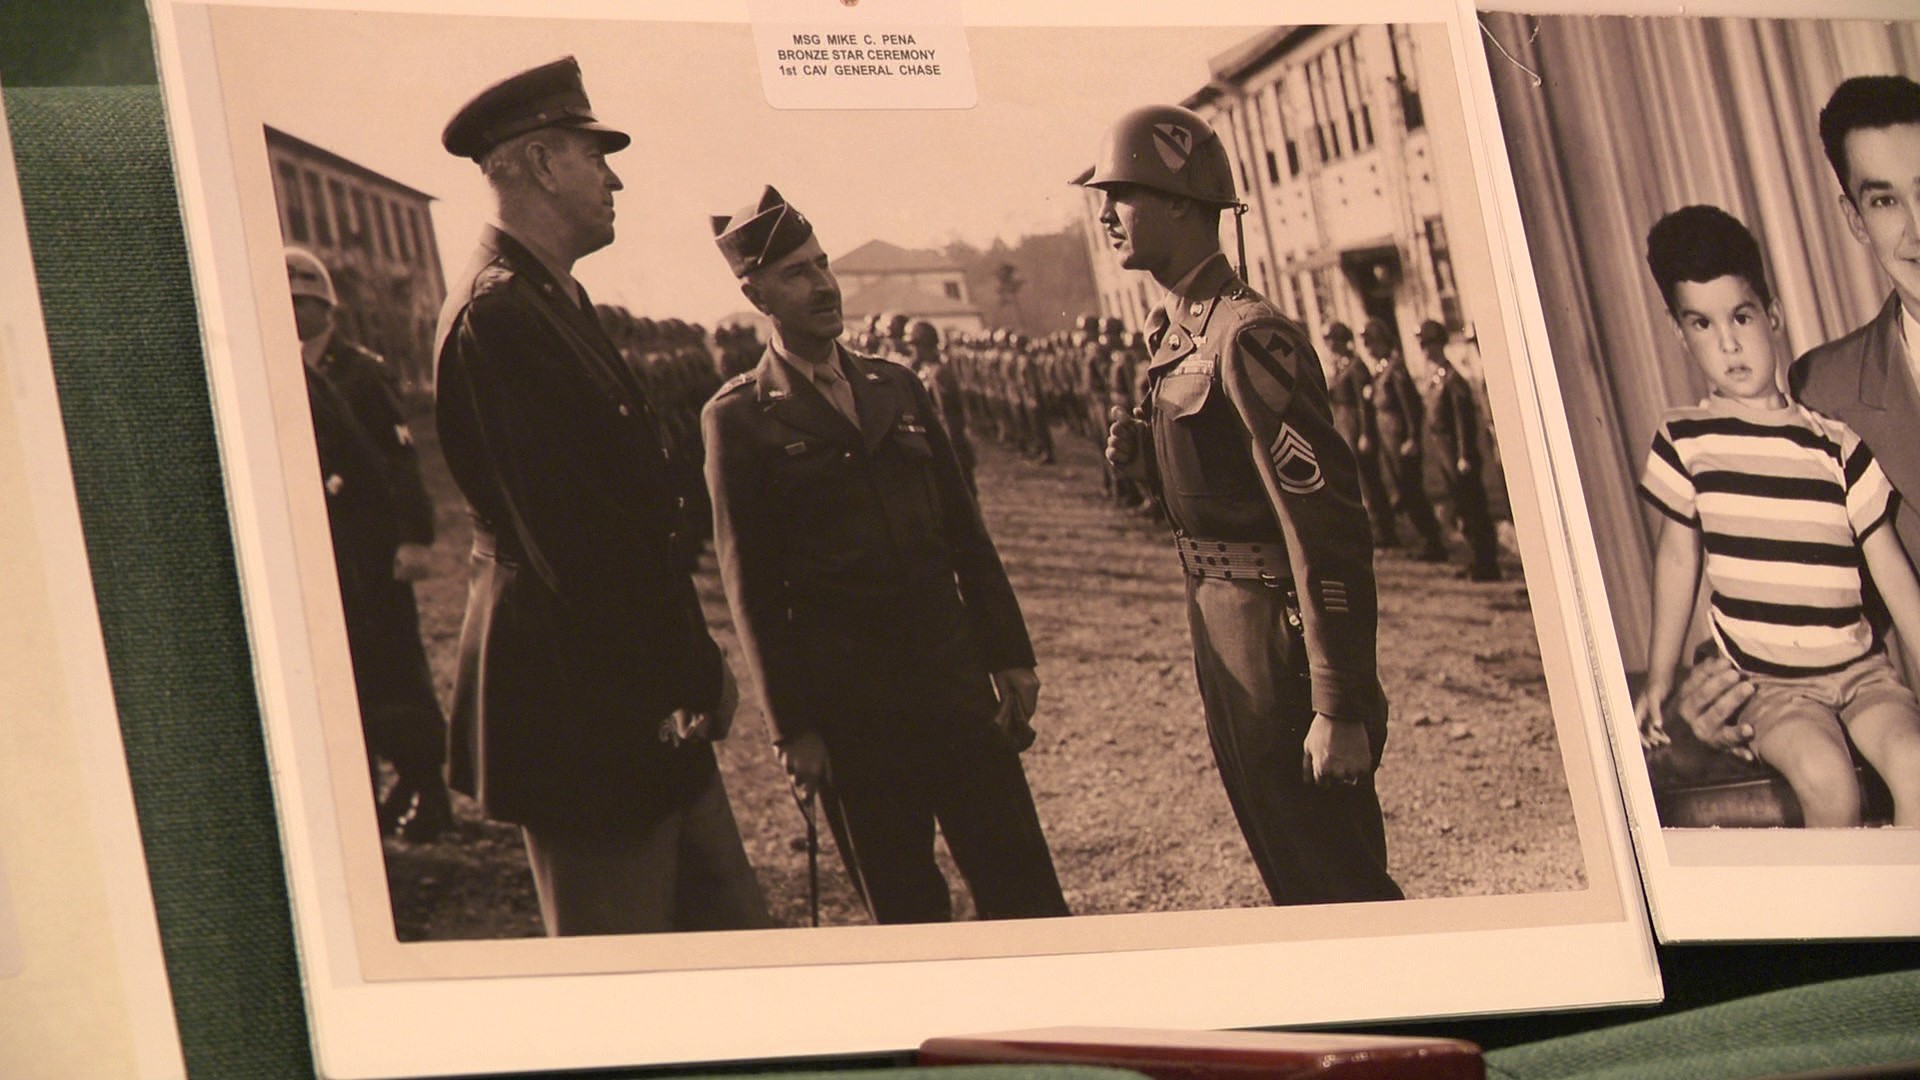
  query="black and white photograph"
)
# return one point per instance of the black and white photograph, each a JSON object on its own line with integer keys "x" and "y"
{"x": 1721, "y": 218}
{"x": 1082, "y": 531}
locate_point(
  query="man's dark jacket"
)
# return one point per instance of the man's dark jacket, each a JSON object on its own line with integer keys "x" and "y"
{"x": 581, "y": 632}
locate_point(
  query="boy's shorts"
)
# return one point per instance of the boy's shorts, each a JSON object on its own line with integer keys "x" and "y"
{"x": 1826, "y": 699}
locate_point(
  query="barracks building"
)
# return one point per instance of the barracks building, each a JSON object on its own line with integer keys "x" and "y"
{"x": 1330, "y": 150}
{"x": 376, "y": 236}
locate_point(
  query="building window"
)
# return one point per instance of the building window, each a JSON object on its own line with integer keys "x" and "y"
{"x": 380, "y": 226}
{"x": 342, "y": 220}
{"x": 400, "y": 233}
{"x": 1444, "y": 285}
{"x": 322, "y": 225}
{"x": 296, "y": 202}
{"x": 952, "y": 289}
{"x": 1406, "y": 78}
{"x": 419, "y": 235}
{"x": 1322, "y": 297}
{"x": 363, "y": 233}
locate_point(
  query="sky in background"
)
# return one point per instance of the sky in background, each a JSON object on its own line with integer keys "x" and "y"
{"x": 378, "y": 88}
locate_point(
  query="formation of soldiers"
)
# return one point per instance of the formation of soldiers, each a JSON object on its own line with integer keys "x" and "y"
{"x": 680, "y": 366}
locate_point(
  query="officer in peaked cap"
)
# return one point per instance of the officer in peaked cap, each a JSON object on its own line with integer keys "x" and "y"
{"x": 588, "y": 691}
{"x": 875, "y": 616}
{"x": 382, "y": 523}
{"x": 1270, "y": 529}
{"x": 550, "y": 96}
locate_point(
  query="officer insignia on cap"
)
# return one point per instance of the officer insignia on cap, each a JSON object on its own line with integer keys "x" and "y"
{"x": 1174, "y": 143}
{"x": 1295, "y": 465}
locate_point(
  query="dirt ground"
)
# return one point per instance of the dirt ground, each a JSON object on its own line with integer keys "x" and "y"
{"x": 1471, "y": 784}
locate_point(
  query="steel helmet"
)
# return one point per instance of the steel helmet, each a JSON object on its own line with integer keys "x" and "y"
{"x": 1167, "y": 148}
{"x": 307, "y": 276}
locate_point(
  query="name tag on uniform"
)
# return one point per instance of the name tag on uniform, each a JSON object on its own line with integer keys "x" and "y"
{"x": 1196, "y": 366}
{"x": 795, "y": 449}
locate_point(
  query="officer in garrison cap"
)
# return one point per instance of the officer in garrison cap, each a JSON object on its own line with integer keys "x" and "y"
{"x": 382, "y": 522}
{"x": 871, "y": 605}
{"x": 1264, "y": 500}
{"x": 588, "y": 690}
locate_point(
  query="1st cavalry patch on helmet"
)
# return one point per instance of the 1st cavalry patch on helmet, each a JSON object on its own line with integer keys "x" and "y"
{"x": 1295, "y": 464}
{"x": 1175, "y": 144}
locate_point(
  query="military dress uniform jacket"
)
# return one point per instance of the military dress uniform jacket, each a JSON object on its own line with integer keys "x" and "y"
{"x": 1863, "y": 379}
{"x": 582, "y": 631}
{"x": 1453, "y": 422}
{"x": 864, "y": 587}
{"x": 1245, "y": 451}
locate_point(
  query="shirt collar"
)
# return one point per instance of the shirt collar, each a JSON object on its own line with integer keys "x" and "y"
{"x": 552, "y": 264}
{"x": 1910, "y": 330}
{"x": 805, "y": 368}
{"x": 314, "y": 349}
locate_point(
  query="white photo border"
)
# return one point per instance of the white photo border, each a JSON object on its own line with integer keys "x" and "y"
{"x": 382, "y": 1008}
{"x": 1703, "y": 885}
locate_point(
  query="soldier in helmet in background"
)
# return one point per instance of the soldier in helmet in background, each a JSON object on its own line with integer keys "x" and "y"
{"x": 382, "y": 522}
{"x": 1264, "y": 501}
{"x": 1454, "y": 427}
{"x": 1402, "y": 417}
{"x": 923, "y": 344}
{"x": 1350, "y": 391}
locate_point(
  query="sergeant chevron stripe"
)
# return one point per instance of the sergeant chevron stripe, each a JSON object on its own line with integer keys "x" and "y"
{"x": 1294, "y": 463}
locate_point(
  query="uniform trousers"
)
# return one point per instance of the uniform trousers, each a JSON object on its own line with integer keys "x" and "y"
{"x": 1312, "y": 844}
{"x": 682, "y": 870}
{"x": 1373, "y": 496}
{"x": 1409, "y": 473}
{"x": 885, "y": 797}
{"x": 1469, "y": 495}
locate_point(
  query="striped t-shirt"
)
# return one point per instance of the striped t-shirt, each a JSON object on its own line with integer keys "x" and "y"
{"x": 1782, "y": 498}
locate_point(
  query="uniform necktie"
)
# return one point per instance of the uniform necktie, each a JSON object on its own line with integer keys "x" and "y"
{"x": 827, "y": 378}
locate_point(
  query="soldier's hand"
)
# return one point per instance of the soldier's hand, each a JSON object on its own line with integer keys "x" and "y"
{"x": 1126, "y": 436}
{"x": 1363, "y": 444}
{"x": 1019, "y": 690}
{"x": 412, "y": 562}
{"x": 1336, "y": 752}
{"x": 805, "y": 759}
{"x": 1409, "y": 448}
{"x": 1710, "y": 694}
{"x": 1462, "y": 466}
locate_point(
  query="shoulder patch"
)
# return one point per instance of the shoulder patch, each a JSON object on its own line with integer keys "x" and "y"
{"x": 1268, "y": 363}
{"x": 492, "y": 278}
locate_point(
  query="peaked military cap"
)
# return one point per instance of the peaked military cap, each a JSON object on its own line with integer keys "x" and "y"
{"x": 551, "y": 95}
{"x": 760, "y": 233}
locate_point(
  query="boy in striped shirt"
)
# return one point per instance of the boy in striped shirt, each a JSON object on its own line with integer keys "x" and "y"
{"x": 1787, "y": 508}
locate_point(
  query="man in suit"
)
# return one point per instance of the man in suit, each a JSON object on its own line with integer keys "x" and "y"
{"x": 1870, "y": 378}
{"x": 876, "y": 619}
{"x": 382, "y": 523}
{"x": 588, "y": 688}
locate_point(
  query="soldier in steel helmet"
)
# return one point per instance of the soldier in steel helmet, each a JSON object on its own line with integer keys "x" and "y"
{"x": 1351, "y": 393}
{"x": 1454, "y": 429}
{"x": 1264, "y": 500}
{"x": 589, "y": 690}
{"x": 382, "y": 523}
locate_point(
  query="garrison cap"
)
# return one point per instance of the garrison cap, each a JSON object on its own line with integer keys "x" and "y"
{"x": 1433, "y": 333}
{"x": 551, "y": 95}
{"x": 1339, "y": 331}
{"x": 760, "y": 233}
